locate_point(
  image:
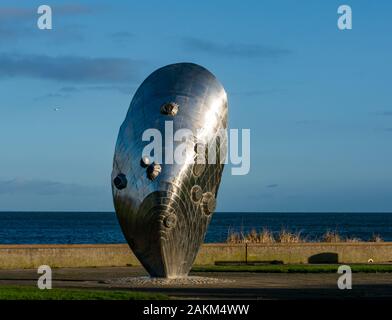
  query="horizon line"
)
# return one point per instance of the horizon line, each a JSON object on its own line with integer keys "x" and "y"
{"x": 289, "y": 212}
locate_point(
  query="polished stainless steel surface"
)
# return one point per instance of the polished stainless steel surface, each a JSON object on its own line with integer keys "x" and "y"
{"x": 164, "y": 209}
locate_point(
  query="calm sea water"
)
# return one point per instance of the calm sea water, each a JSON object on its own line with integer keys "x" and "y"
{"x": 97, "y": 227}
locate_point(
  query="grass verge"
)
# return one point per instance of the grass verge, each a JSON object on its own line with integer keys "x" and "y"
{"x": 33, "y": 293}
{"x": 294, "y": 268}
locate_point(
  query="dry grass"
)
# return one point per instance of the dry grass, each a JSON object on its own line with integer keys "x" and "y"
{"x": 266, "y": 236}
{"x": 331, "y": 236}
{"x": 234, "y": 237}
{"x": 354, "y": 239}
{"x": 376, "y": 238}
{"x": 263, "y": 236}
{"x": 284, "y": 236}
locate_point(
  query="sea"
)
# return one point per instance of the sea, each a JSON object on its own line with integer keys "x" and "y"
{"x": 102, "y": 227}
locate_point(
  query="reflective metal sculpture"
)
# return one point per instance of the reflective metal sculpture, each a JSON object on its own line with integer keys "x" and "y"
{"x": 164, "y": 209}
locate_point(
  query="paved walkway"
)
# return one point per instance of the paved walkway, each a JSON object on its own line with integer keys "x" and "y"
{"x": 236, "y": 285}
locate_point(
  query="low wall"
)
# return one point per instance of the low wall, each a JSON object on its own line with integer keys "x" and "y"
{"x": 360, "y": 252}
{"x": 106, "y": 255}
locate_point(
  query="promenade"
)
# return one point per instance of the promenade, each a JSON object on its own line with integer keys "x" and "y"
{"x": 232, "y": 285}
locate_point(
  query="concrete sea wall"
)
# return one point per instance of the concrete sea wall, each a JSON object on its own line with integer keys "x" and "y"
{"x": 106, "y": 255}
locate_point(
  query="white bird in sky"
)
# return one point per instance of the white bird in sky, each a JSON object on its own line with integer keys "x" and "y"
{"x": 56, "y": 109}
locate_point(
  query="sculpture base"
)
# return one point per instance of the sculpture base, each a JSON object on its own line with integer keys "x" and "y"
{"x": 164, "y": 282}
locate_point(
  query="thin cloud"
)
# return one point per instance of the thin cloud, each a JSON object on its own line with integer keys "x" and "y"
{"x": 72, "y": 9}
{"x": 23, "y": 12}
{"x": 306, "y": 122}
{"x": 12, "y": 33}
{"x": 46, "y": 188}
{"x": 121, "y": 36}
{"x": 385, "y": 113}
{"x": 118, "y": 88}
{"x": 69, "y": 68}
{"x": 19, "y": 23}
{"x": 67, "y": 91}
{"x": 16, "y": 12}
{"x": 51, "y": 96}
{"x": 61, "y": 35}
{"x": 236, "y": 50}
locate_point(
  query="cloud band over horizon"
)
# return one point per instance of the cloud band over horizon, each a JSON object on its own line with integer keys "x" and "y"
{"x": 69, "y": 68}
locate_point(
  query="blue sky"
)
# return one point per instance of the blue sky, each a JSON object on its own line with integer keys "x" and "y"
{"x": 317, "y": 99}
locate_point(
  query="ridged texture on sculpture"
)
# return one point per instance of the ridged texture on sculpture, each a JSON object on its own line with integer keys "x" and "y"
{"x": 164, "y": 209}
